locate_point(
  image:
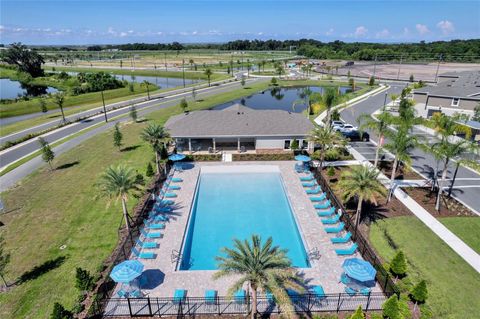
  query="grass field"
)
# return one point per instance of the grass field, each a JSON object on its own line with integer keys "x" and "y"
{"x": 467, "y": 228}
{"x": 452, "y": 284}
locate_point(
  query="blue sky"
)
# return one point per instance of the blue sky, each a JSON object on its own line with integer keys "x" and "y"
{"x": 92, "y": 22}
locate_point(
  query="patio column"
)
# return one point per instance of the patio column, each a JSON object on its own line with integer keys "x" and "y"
{"x": 214, "y": 146}
{"x": 238, "y": 144}
{"x": 190, "y": 145}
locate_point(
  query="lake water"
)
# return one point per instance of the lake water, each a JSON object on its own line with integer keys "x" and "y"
{"x": 12, "y": 89}
{"x": 277, "y": 99}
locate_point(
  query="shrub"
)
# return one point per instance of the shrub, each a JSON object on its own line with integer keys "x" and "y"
{"x": 332, "y": 154}
{"x": 59, "y": 312}
{"x": 391, "y": 309}
{"x": 358, "y": 314}
{"x": 398, "y": 265}
{"x": 419, "y": 293}
{"x": 371, "y": 81}
{"x": 273, "y": 81}
{"x": 330, "y": 171}
{"x": 335, "y": 116}
{"x": 149, "y": 172}
{"x": 83, "y": 280}
{"x": 294, "y": 145}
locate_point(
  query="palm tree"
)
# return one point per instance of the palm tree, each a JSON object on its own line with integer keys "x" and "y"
{"x": 118, "y": 182}
{"x": 400, "y": 143}
{"x": 327, "y": 138}
{"x": 146, "y": 84}
{"x": 59, "y": 99}
{"x": 361, "y": 182}
{"x": 329, "y": 98}
{"x": 155, "y": 135}
{"x": 208, "y": 73}
{"x": 191, "y": 63}
{"x": 379, "y": 126}
{"x": 261, "y": 266}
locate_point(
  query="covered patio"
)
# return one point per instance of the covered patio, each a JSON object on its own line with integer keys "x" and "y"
{"x": 214, "y": 145}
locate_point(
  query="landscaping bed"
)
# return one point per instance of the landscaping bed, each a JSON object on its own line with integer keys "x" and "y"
{"x": 401, "y": 173}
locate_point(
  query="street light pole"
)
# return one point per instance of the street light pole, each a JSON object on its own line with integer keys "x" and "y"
{"x": 453, "y": 180}
{"x": 438, "y": 67}
{"x": 104, "y": 108}
{"x": 183, "y": 71}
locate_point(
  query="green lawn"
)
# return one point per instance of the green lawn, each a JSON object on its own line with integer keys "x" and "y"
{"x": 467, "y": 228}
{"x": 453, "y": 284}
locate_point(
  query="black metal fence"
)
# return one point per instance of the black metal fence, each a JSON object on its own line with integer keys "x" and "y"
{"x": 194, "y": 306}
{"x": 383, "y": 277}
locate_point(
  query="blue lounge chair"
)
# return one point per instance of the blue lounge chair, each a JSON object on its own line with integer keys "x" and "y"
{"x": 165, "y": 202}
{"x": 320, "y": 198}
{"x": 351, "y": 292}
{"x": 146, "y": 244}
{"x": 327, "y": 213}
{"x": 298, "y": 168}
{"x": 365, "y": 291}
{"x": 315, "y": 190}
{"x": 337, "y": 229}
{"x": 149, "y": 234}
{"x": 173, "y": 188}
{"x": 344, "y": 279}
{"x": 341, "y": 240}
{"x": 309, "y": 184}
{"x": 151, "y": 225}
{"x": 176, "y": 179}
{"x": 331, "y": 221}
{"x": 239, "y": 296}
{"x": 135, "y": 294}
{"x": 269, "y": 296}
{"x": 122, "y": 293}
{"x": 168, "y": 195}
{"x": 162, "y": 209}
{"x": 324, "y": 205}
{"x": 317, "y": 291}
{"x": 210, "y": 296}
{"x": 143, "y": 255}
{"x": 307, "y": 178}
{"x": 349, "y": 251}
{"x": 179, "y": 295}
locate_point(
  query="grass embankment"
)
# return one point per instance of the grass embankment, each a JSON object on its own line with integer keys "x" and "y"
{"x": 452, "y": 283}
{"x": 58, "y": 208}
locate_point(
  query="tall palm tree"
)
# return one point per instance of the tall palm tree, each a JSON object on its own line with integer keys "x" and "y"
{"x": 208, "y": 73}
{"x": 118, "y": 182}
{"x": 327, "y": 138}
{"x": 400, "y": 143}
{"x": 146, "y": 84}
{"x": 329, "y": 98}
{"x": 379, "y": 126}
{"x": 59, "y": 99}
{"x": 191, "y": 63}
{"x": 157, "y": 137}
{"x": 263, "y": 267}
{"x": 361, "y": 182}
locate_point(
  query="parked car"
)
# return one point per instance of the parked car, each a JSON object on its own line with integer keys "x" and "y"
{"x": 337, "y": 124}
{"x": 348, "y": 128}
{"x": 356, "y": 135}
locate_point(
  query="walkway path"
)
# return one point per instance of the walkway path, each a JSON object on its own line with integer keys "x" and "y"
{"x": 462, "y": 249}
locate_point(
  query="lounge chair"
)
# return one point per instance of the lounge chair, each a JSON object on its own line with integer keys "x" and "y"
{"x": 122, "y": 293}
{"x": 152, "y": 225}
{"x": 327, "y": 213}
{"x": 179, "y": 295}
{"x": 176, "y": 179}
{"x": 341, "y": 240}
{"x": 365, "y": 291}
{"x": 331, "y": 221}
{"x": 143, "y": 255}
{"x": 146, "y": 244}
{"x": 135, "y": 294}
{"x": 315, "y": 190}
{"x": 307, "y": 178}
{"x": 351, "y": 292}
{"x": 239, "y": 296}
{"x": 324, "y": 205}
{"x": 162, "y": 209}
{"x": 317, "y": 291}
{"x": 320, "y": 198}
{"x": 149, "y": 234}
{"x": 348, "y": 251}
{"x": 168, "y": 195}
{"x": 210, "y": 296}
{"x": 299, "y": 168}
{"x": 165, "y": 202}
{"x": 336, "y": 229}
{"x": 173, "y": 188}
{"x": 309, "y": 184}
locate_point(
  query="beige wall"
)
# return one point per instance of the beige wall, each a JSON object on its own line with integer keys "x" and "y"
{"x": 467, "y": 105}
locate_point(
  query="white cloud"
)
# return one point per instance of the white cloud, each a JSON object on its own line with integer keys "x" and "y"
{"x": 422, "y": 29}
{"x": 382, "y": 34}
{"x": 123, "y": 34}
{"x": 360, "y": 31}
{"x": 446, "y": 27}
{"x": 330, "y": 31}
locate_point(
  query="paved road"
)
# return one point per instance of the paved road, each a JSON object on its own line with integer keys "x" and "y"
{"x": 14, "y": 153}
{"x": 425, "y": 164}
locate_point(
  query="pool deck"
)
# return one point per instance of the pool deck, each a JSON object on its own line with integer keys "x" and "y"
{"x": 163, "y": 278}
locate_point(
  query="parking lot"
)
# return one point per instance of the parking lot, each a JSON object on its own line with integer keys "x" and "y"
{"x": 368, "y": 150}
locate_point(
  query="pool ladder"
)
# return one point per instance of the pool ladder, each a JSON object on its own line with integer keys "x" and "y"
{"x": 176, "y": 256}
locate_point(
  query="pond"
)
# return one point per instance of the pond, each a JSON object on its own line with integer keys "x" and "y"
{"x": 277, "y": 99}
{"x": 13, "y": 89}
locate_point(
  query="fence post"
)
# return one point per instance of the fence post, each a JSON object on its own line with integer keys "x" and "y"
{"x": 368, "y": 302}
{"x": 308, "y": 302}
{"x": 149, "y": 306}
{"x": 338, "y": 302}
{"x": 217, "y": 299}
{"x": 179, "y": 312}
{"x": 129, "y": 307}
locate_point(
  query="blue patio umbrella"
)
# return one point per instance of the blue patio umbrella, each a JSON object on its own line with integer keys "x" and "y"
{"x": 176, "y": 157}
{"x": 359, "y": 270}
{"x": 303, "y": 158}
{"x": 126, "y": 271}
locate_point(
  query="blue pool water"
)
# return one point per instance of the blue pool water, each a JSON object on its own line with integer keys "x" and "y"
{"x": 237, "y": 205}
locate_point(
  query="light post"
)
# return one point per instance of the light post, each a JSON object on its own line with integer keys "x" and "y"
{"x": 183, "y": 71}
{"x": 104, "y": 108}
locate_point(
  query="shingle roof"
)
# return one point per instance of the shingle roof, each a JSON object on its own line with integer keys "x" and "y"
{"x": 456, "y": 84}
{"x": 238, "y": 120}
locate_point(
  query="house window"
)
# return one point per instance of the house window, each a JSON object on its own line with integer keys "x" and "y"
{"x": 287, "y": 145}
{"x": 304, "y": 144}
{"x": 455, "y": 101}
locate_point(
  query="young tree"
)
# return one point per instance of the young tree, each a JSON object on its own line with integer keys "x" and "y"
{"x": 183, "y": 104}
{"x": 117, "y": 136}
{"x": 84, "y": 281}
{"x": 146, "y": 85}
{"x": 59, "y": 99}
{"x": 263, "y": 267}
{"x": 133, "y": 113}
{"x": 273, "y": 81}
{"x": 379, "y": 126}
{"x": 326, "y": 138}
{"x": 371, "y": 81}
{"x": 194, "y": 94}
{"x": 419, "y": 293}
{"x": 47, "y": 154}
{"x": 398, "y": 265}
{"x": 59, "y": 312}
{"x": 294, "y": 146}
{"x": 4, "y": 261}
{"x": 131, "y": 87}
{"x": 28, "y": 61}
{"x": 391, "y": 309}
{"x": 118, "y": 182}
{"x": 208, "y": 72}
{"x": 361, "y": 182}
{"x": 191, "y": 63}
{"x": 155, "y": 135}
{"x": 242, "y": 82}
{"x": 329, "y": 98}
{"x": 358, "y": 314}
{"x": 42, "y": 102}
{"x": 149, "y": 172}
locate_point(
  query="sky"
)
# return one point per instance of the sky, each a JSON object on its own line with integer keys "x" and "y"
{"x": 114, "y": 22}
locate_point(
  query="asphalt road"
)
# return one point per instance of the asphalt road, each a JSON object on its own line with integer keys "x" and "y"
{"x": 467, "y": 185}
{"x": 12, "y": 154}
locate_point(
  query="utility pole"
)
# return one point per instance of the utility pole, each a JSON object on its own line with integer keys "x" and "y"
{"x": 374, "y": 66}
{"x": 104, "y": 108}
{"x": 183, "y": 71}
{"x": 438, "y": 67}
{"x": 385, "y": 102}
{"x": 453, "y": 180}
{"x": 399, "y": 66}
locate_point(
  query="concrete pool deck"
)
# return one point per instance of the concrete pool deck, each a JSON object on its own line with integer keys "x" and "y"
{"x": 163, "y": 278}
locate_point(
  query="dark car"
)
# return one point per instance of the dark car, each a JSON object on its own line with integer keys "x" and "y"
{"x": 355, "y": 135}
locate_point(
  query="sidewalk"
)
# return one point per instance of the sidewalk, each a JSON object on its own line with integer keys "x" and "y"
{"x": 462, "y": 249}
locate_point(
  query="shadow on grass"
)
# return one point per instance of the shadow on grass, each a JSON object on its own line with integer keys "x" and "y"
{"x": 38, "y": 271}
{"x": 68, "y": 165}
{"x": 142, "y": 120}
{"x": 54, "y": 116}
{"x": 130, "y": 148}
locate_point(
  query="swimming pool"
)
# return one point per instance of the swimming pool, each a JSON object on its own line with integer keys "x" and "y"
{"x": 233, "y": 204}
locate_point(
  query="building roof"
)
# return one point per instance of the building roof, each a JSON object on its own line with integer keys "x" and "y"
{"x": 455, "y": 84}
{"x": 238, "y": 120}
